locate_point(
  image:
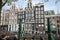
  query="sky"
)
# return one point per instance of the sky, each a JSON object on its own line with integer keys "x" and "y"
{"x": 50, "y": 5}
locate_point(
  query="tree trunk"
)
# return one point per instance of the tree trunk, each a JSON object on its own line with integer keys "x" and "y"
{"x": 0, "y": 9}
{"x": 0, "y": 15}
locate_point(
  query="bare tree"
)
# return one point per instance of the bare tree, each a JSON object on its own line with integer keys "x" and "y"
{"x": 2, "y": 3}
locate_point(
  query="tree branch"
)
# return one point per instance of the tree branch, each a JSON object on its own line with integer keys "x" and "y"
{"x": 4, "y": 3}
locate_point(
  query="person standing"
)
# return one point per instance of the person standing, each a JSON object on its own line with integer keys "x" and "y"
{"x": 41, "y": 38}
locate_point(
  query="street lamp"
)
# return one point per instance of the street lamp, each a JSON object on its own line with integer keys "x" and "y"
{"x": 49, "y": 30}
{"x": 50, "y": 35}
{"x": 20, "y": 28}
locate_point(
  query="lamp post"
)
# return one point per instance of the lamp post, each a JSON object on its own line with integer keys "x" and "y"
{"x": 50, "y": 34}
{"x": 20, "y": 29}
{"x": 49, "y": 30}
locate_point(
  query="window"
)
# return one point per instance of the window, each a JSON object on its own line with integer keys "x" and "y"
{"x": 42, "y": 21}
{"x": 42, "y": 25}
{"x": 57, "y": 21}
{"x": 37, "y": 20}
{"x": 42, "y": 8}
{"x": 22, "y": 20}
{"x": 42, "y": 12}
{"x": 37, "y": 16}
{"x": 36, "y": 12}
{"x": 23, "y": 16}
{"x": 58, "y": 26}
{"x": 32, "y": 14}
{"x": 26, "y": 16}
{"x": 40, "y": 32}
{"x": 36, "y": 8}
{"x": 39, "y": 9}
{"x": 42, "y": 16}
